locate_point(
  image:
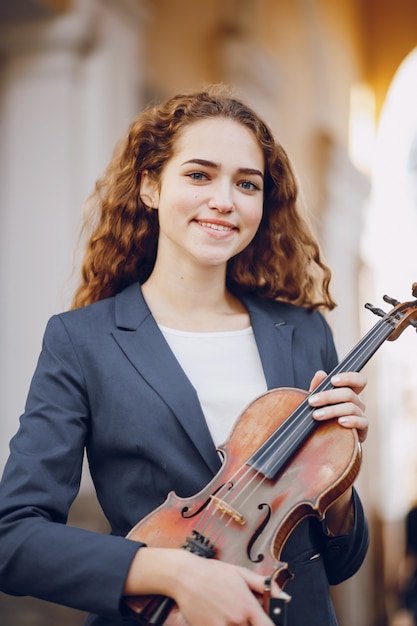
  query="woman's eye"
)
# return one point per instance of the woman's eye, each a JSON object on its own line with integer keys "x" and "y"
{"x": 248, "y": 185}
{"x": 197, "y": 176}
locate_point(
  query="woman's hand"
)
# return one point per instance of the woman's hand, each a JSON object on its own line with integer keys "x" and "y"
{"x": 208, "y": 592}
{"x": 215, "y": 593}
{"x": 342, "y": 402}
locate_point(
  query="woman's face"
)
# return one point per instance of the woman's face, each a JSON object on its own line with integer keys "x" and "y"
{"x": 210, "y": 194}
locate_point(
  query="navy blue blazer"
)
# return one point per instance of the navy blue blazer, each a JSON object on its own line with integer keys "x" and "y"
{"x": 107, "y": 382}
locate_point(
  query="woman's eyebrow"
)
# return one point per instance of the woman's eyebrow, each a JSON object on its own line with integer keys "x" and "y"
{"x": 212, "y": 164}
{"x": 202, "y": 162}
{"x": 250, "y": 171}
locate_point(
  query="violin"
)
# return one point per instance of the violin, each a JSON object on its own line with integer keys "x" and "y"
{"x": 280, "y": 465}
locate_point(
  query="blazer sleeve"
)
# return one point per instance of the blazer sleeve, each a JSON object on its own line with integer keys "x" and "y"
{"x": 39, "y": 554}
{"x": 344, "y": 554}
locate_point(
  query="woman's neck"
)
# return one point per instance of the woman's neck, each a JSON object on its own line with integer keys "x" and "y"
{"x": 198, "y": 302}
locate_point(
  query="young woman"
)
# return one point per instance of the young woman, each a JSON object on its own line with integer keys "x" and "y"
{"x": 201, "y": 289}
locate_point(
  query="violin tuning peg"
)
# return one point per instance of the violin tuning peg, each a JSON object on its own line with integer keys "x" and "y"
{"x": 391, "y": 301}
{"x": 375, "y": 310}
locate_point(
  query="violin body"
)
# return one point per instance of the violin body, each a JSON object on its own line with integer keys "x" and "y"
{"x": 244, "y": 517}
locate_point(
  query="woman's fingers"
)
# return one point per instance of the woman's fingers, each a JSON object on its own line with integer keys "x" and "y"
{"x": 342, "y": 402}
{"x": 215, "y": 593}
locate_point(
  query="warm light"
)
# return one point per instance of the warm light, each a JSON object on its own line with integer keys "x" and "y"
{"x": 389, "y": 253}
{"x": 362, "y": 127}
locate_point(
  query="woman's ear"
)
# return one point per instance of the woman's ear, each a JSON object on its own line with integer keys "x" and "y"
{"x": 149, "y": 191}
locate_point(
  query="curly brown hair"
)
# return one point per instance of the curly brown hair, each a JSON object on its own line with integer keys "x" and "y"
{"x": 282, "y": 262}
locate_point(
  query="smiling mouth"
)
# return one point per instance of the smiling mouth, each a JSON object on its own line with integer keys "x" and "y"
{"x": 218, "y": 227}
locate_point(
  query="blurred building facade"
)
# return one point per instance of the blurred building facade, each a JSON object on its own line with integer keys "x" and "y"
{"x": 73, "y": 73}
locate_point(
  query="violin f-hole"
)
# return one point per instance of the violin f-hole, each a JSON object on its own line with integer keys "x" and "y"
{"x": 258, "y": 531}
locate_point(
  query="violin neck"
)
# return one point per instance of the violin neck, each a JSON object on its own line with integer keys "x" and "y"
{"x": 358, "y": 357}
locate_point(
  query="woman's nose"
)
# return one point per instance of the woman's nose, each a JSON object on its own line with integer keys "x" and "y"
{"x": 222, "y": 198}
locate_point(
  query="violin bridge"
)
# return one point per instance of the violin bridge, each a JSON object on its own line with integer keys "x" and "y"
{"x": 228, "y": 510}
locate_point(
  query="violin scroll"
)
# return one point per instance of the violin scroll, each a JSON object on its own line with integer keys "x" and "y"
{"x": 402, "y": 315}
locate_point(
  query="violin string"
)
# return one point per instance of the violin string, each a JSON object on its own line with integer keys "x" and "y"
{"x": 354, "y": 361}
{"x": 297, "y": 424}
{"x": 297, "y": 420}
{"x": 374, "y": 339}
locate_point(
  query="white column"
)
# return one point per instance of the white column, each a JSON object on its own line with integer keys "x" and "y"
{"x": 68, "y": 89}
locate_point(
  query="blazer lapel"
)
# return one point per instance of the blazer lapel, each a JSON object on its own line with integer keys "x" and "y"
{"x": 144, "y": 345}
{"x": 273, "y": 337}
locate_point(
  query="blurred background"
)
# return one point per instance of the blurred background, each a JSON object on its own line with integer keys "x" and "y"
{"x": 337, "y": 82}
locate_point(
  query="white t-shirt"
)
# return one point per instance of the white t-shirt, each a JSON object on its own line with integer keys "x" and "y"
{"x": 225, "y": 370}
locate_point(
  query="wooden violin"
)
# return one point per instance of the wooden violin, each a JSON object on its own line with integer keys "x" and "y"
{"x": 280, "y": 466}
